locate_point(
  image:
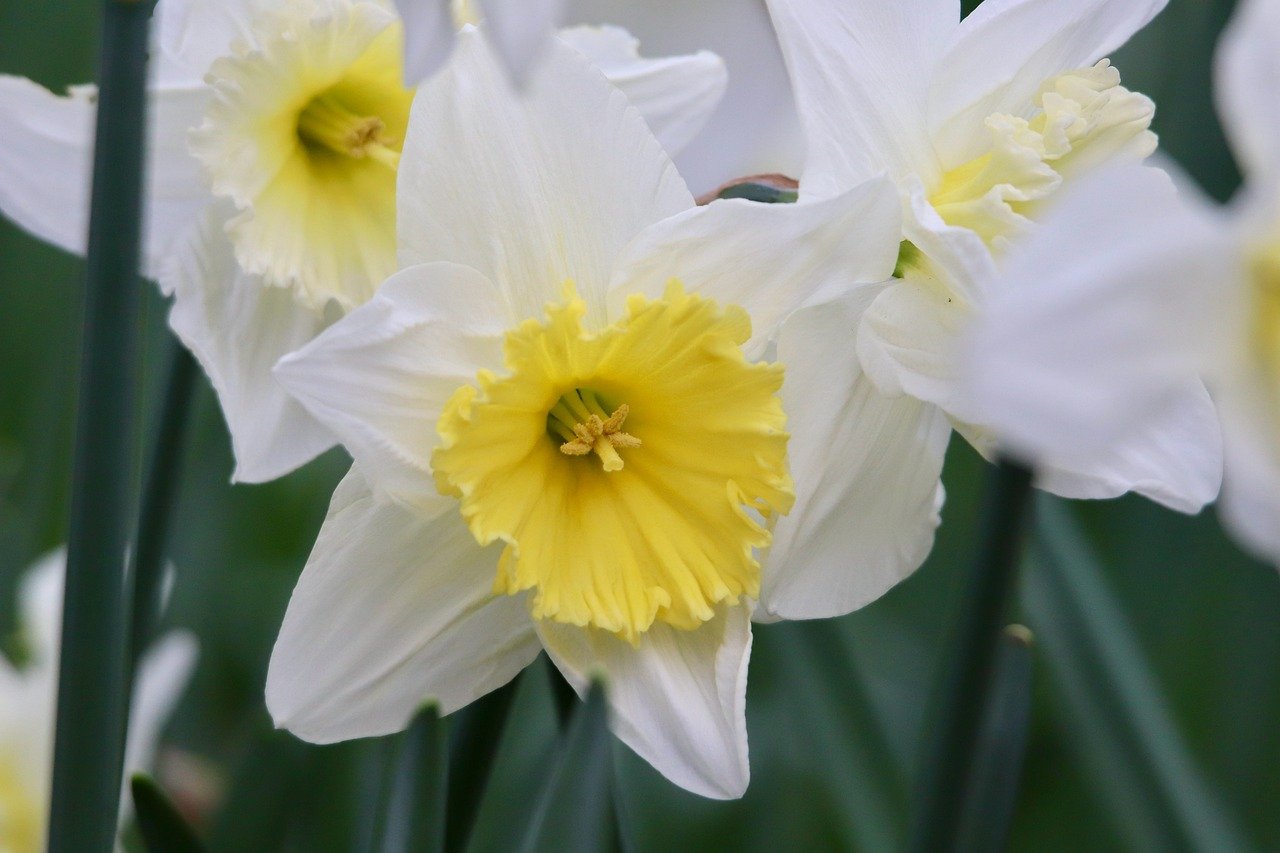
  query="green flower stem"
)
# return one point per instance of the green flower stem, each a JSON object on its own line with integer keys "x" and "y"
{"x": 477, "y": 731}
{"x": 89, "y": 741}
{"x": 968, "y": 670}
{"x": 997, "y": 772}
{"x": 158, "y": 499}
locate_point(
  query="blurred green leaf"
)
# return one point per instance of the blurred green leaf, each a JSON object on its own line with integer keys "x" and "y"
{"x": 1112, "y": 704}
{"x": 477, "y": 731}
{"x": 415, "y": 801}
{"x": 575, "y": 809}
{"x": 162, "y": 828}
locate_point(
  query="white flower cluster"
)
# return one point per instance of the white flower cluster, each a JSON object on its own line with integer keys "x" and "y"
{"x": 593, "y": 417}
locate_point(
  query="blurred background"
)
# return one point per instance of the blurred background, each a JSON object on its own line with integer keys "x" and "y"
{"x": 1155, "y": 688}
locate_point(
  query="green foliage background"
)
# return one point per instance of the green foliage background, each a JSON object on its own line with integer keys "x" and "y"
{"x": 1155, "y": 672}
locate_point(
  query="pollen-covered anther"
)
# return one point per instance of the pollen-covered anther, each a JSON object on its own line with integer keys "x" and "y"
{"x": 603, "y": 436}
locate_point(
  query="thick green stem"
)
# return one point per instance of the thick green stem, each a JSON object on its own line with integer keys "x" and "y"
{"x": 163, "y": 475}
{"x": 968, "y": 671}
{"x": 993, "y": 788}
{"x": 92, "y": 700}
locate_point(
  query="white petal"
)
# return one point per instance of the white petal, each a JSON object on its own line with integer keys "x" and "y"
{"x": 861, "y": 72}
{"x": 177, "y": 192}
{"x": 866, "y": 469}
{"x": 767, "y": 258}
{"x": 394, "y": 609}
{"x": 1099, "y": 317}
{"x": 530, "y": 189}
{"x": 380, "y": 377}
{"x": 1251, "y": 493}
{"x": 755, "y": 130}
{"x": 679, "y": 699}
{"x": 1006, "y": 49}
{"x": 41, "y": 596}
{"x": 906, "y": 338}
{"x": 520, "y": 31}
{"x": 1247, "y": 75}
{"x": 192, "y": 33}
{"x": 675, "y": 94}
{"x": 238, "y": 327}
{"x": 45, "y": 160}
{"x": 163, "y": 672}
{"x": 429, "y": 32}
{"x": 46, "y": 163}
{"x": 1174, "y": 456}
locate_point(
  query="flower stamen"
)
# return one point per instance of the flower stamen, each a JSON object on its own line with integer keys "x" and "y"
{"x": 580, "y": 419}
{"x": 327, "y": 124}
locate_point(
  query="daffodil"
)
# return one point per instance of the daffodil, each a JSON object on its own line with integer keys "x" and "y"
{"x": 752, "y": 132}
{"x": 276, "y": 135}
{"x": 28, "y": 700}
{"x": 1131, "y": 285}
{"x": 519, "y": 31}
{"x": 980, "y": 122}
{"x": 592, "y": 418}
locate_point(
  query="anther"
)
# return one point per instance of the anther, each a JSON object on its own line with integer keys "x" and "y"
{"x": 601, "y": 436}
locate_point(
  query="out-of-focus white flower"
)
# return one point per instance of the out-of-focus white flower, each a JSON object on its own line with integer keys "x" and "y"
{"x": 519, "y": 30}
{"x": 275, "y": 136}
{"x": 572, "y": 431}
{"x": 755, "y": 129}
{"x": 1131, "y": 285}
{"x": 28, "y": 698}
{"x": 980, "y": 122}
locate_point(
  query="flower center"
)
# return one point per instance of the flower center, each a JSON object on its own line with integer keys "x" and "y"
{"x": 1082, "y": 118}
{"x": 673, "y": 534}
{"x": 326, "y": 123}
{"x": 303, "y": 134}
{"x": 579, "y": 419}
{"x": 1265, "y": 275}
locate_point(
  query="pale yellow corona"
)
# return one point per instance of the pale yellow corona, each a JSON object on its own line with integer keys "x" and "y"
{"x": 618, "y": 529}
{"x": 303, "y": 134}
{"x": 1082, "y": 118}
{"x": 22, "y": 812}
{"x": 1265, "y": 277}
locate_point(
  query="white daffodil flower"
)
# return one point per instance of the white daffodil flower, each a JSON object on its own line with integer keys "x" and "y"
{"x": 518, "y": 29}
{"x": 755, "y": 130}
{"x": 275, "y": 136}
{"x": 980, "y": 122}
{"x": 1130, "y": 285}
{"x": 573, "y": 430}
{"x": 28, "y": 698}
